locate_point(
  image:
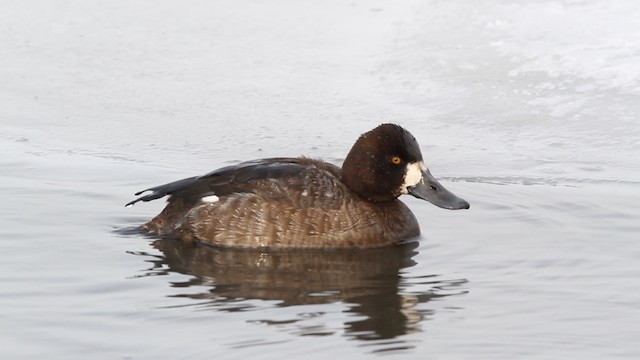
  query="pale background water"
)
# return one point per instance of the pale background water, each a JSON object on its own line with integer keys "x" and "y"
{"x": 527, "y": 109}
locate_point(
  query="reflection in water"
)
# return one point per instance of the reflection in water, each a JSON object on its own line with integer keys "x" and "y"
{"x": 368, "y": 280}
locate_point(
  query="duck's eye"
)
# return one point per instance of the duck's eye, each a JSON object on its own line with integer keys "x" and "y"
{"x": 396, "y": 160}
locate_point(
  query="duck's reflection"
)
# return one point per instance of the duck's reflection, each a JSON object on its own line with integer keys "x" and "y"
{"x": 370, "y": 281}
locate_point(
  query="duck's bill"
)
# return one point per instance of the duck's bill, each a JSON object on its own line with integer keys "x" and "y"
{"x": 430, "y": 189}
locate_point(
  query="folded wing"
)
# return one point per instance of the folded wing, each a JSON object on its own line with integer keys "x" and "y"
{"x": 275, "y": 178}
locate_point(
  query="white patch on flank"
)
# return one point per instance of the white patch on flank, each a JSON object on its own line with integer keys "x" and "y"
{"x": 413, "y": 175}
{"x": 210, "y": 199}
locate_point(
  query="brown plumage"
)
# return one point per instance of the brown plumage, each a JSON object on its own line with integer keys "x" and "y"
{"x": 301, "y": 202}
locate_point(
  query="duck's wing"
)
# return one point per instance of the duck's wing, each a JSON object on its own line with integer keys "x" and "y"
{"x": 276, "y": 178}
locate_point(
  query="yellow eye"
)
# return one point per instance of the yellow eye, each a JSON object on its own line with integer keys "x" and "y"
{"x": 396, "y": 160}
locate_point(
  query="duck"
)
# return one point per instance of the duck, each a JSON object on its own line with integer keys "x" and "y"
{"x": 303, "y": 202}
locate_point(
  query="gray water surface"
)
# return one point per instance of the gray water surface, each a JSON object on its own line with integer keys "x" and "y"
{"x": 527, "y": 109}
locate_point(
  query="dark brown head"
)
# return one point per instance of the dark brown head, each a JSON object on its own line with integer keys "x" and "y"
{"x": 386, "y": 162}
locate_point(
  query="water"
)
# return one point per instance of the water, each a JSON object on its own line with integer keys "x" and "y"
{"x": 527, "y": 109}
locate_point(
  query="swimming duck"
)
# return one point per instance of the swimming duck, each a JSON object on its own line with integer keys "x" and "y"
{"x": 303, "y": 202}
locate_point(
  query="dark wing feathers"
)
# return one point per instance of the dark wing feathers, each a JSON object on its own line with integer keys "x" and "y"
{"x": 163, "y": 190}
{"x": 235, "y": 179}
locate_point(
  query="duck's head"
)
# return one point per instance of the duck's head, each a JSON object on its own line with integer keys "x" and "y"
{"x": 386, "y": 162}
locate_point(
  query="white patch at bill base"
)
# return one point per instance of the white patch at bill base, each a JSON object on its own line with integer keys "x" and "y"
{"x": 210, "y": 199}
{"x": 413, "y": 175}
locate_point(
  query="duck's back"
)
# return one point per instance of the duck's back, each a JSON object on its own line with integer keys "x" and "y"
{"x": 281, "y": 202}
